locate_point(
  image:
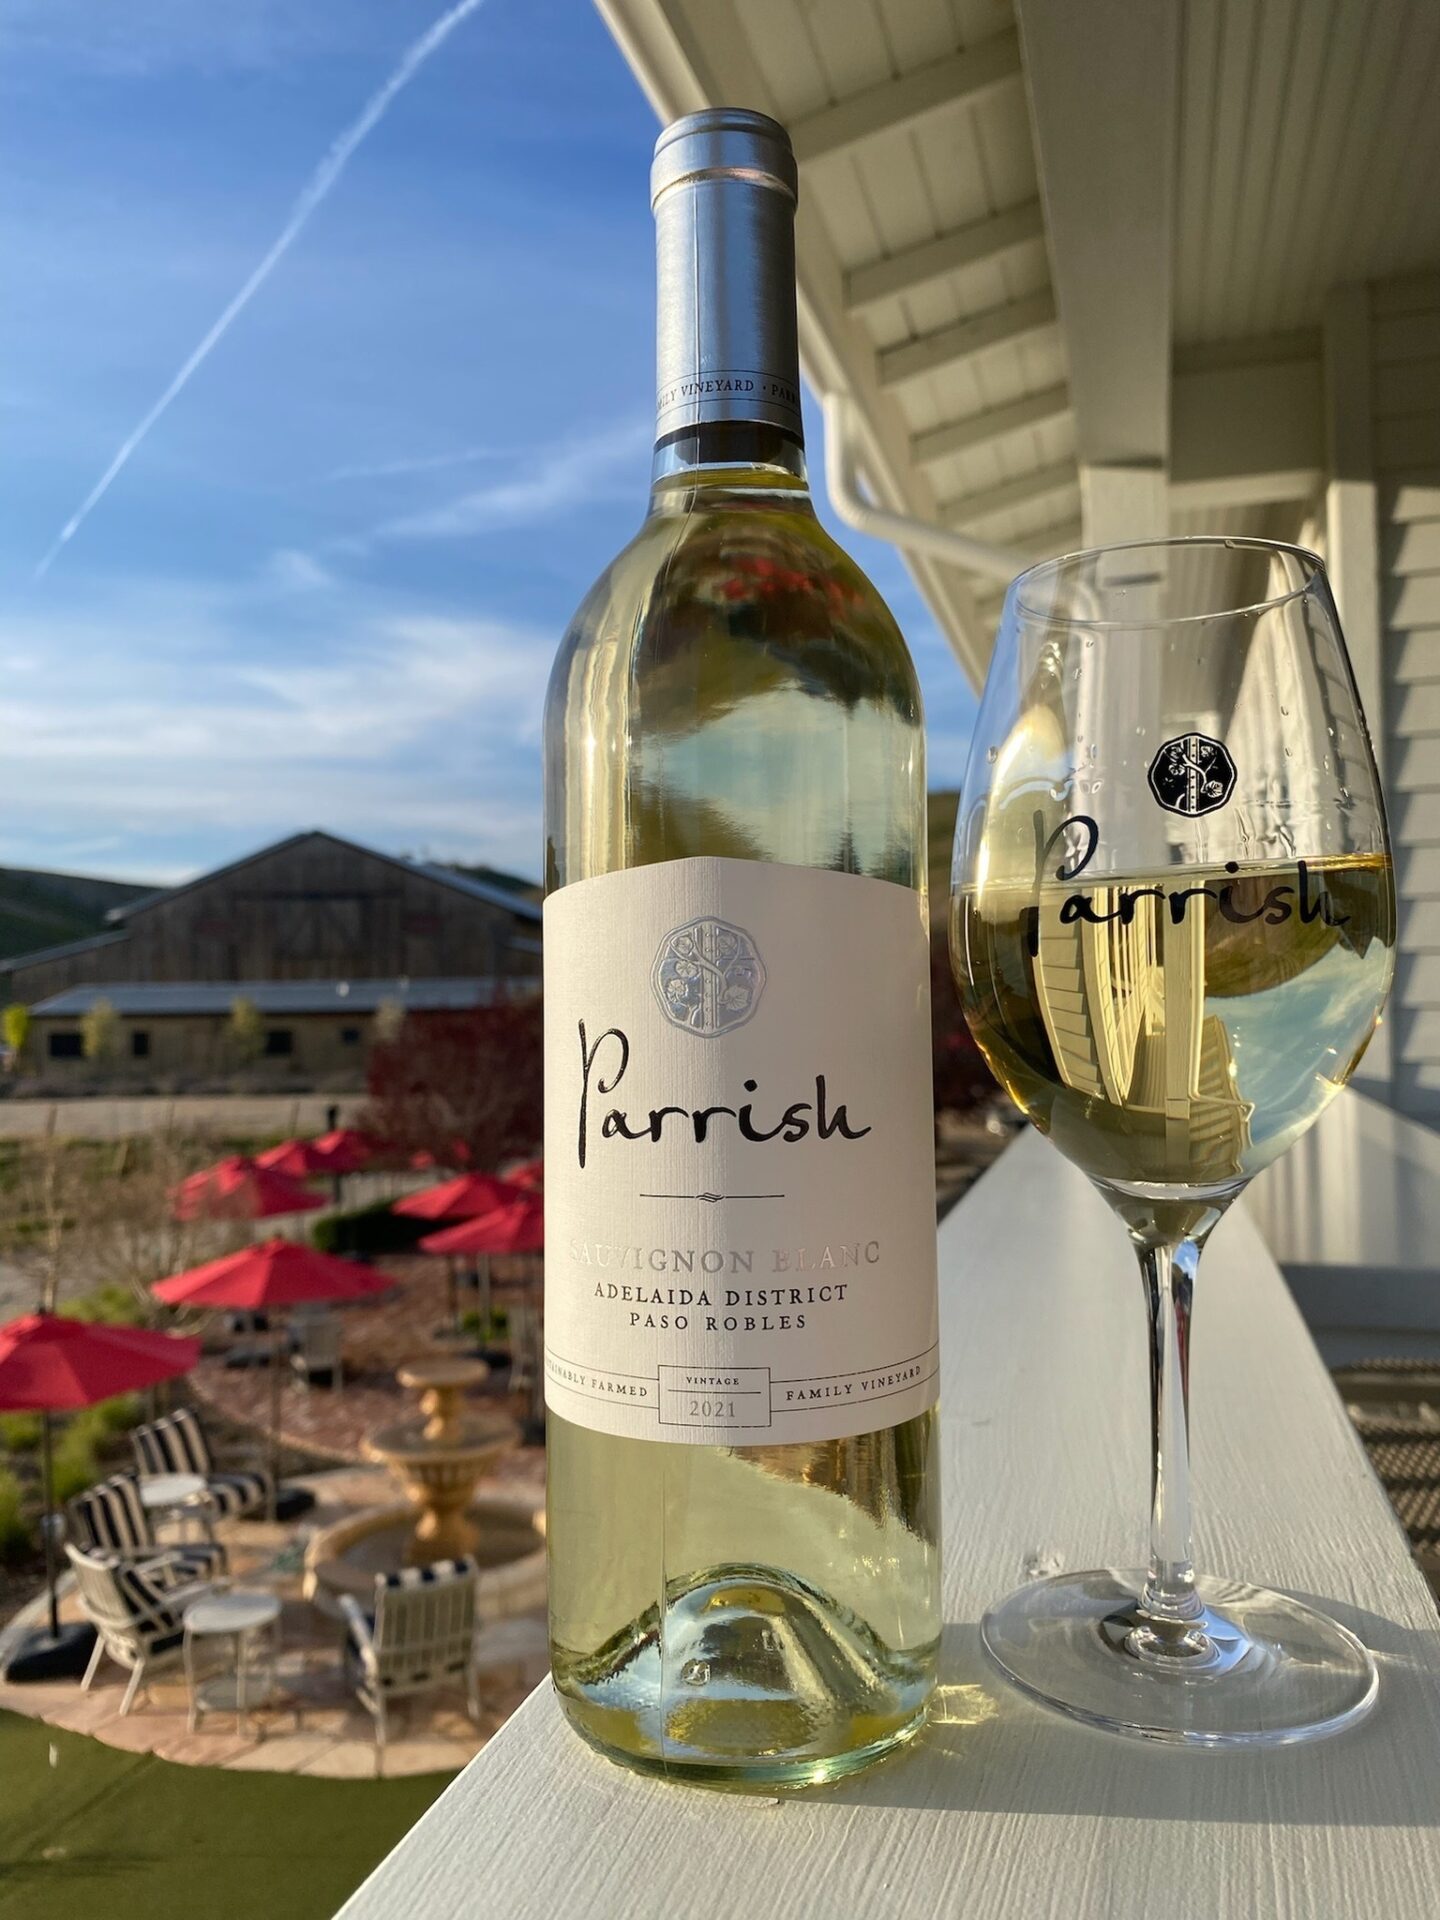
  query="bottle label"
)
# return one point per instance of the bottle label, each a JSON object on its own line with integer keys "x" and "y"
{"x": 728, "y": 394}
{"x": 739, "y": 1154}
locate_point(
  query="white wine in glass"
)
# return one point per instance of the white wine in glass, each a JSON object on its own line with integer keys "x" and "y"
{"x": 1173, "y": 928}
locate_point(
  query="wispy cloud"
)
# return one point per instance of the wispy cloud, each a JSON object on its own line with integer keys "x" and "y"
{"x": 292, "y": 571}
{"x": 315, "y": 192}
{"x": 402, "y": 469}
{"x": 189, "y": 720}
{"x": 576, "y": 471}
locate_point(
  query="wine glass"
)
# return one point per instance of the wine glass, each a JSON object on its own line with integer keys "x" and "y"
{"x": 1173, "y": 928}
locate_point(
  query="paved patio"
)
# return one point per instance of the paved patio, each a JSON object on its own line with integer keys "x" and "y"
{"x": 319, "y": 1729}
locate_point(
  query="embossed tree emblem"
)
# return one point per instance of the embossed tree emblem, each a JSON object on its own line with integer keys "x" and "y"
{"x": 708, "y": 976}
{"x": 1192, "y": 774}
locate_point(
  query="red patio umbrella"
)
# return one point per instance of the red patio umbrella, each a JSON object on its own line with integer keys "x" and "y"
{"x": 240, "y": 1189}
{"x": 457, "y": 1154}
{"x": 297, "y": 1159}
{"x": 518, "y": 1227}
{"x": 276, "y": 1274}
{"x": 346, "y": 1149}
{"x": 52, "y": 1364}
{"x": 530, "y": 1173}
{"x": 459, "y": 1199}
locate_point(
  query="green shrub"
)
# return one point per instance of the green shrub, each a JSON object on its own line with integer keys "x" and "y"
{"x": 19, "y": 1432}
{"x": 77, "y": 1465}
{"x": 112, "y": 1303}
{"x": 109, "y": 1417}
{"x": 370, "y": 1231}
{"x": 483, "y": 1331}
{"x": 15, "y": 1024}
{"x": 15, "y": 1536}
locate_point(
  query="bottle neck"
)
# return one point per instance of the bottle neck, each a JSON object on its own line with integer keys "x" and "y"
{"x": 724, "y": 455}
{"x": 727, "y": 361}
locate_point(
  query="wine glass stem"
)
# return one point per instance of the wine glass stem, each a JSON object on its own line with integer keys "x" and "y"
{"x": 1170, "y": 1603}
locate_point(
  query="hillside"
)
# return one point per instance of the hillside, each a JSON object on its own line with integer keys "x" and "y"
{"x": 39, "y": 909}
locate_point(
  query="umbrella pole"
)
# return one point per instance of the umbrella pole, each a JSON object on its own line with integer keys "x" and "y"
{"x": 47, "y": 1474}
{"x": 275, "y": 1355}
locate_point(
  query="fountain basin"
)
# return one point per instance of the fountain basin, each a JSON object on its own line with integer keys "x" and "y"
{"x": 509, "y": 1533}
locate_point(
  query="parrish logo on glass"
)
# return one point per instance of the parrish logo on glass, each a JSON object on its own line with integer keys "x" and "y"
{"x": 708, "y": 976}
{"x": 1192, "y": 774}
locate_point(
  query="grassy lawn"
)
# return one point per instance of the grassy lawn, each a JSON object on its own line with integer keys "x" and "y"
{"x": 85, "y": 1829}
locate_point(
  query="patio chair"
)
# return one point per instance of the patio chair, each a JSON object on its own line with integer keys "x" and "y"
{"x": 109, "y": 1520}
{"x": 420, "y": 1636}
{"x": 138, "y": 1621}
{"x": 318, "y": 1350}
{"x": 177, "y": 1444}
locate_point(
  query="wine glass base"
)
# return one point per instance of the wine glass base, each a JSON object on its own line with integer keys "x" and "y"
{"x": 1256, "y": 1669}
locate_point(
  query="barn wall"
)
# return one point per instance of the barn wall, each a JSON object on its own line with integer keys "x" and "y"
{"x": 311, "y": 909}
{"x": 200, "y": 1047}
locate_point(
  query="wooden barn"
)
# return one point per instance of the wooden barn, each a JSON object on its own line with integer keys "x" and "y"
{"x": 313, "y": 907}
{"x": 316, "y": 938}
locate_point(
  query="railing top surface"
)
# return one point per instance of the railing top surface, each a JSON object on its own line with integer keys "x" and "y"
{"x": 1003, "y": 1809}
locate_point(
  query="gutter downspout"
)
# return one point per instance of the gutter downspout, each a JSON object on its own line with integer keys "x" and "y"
{"x": 902, "y": 529}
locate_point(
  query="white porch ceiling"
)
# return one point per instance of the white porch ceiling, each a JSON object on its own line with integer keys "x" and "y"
{"x": 1307, "y": 143}
{"x": 1309, "y": 155}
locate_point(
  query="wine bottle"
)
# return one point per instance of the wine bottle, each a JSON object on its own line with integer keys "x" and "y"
{"x": 740, "y": 1280}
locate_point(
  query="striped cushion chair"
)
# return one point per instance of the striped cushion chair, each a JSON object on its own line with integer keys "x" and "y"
{"x": 421, "y": 1635}
{"x": 109, "y": 1520}
{"x": 177, "y": 1444}
{"x": 138, "y": 1623}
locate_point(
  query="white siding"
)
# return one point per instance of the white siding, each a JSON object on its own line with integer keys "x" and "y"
{"x": 1405, "y": 400}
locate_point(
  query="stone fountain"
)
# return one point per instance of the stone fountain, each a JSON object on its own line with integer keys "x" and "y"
{"x": 438, "y": 1454}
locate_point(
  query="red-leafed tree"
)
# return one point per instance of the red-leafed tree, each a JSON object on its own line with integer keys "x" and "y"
{"x": 464, "y": 1088}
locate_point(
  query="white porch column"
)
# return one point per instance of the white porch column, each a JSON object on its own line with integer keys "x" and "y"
{"x": 1353, "y": 553}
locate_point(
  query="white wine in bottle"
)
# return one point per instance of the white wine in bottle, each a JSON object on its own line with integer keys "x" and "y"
{"x": 741, "y": 1334}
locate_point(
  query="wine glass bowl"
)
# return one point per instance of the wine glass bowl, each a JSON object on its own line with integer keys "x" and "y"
{"x": 1172, "y": 926}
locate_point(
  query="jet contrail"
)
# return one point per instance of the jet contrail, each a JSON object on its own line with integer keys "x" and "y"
{"x": 316, "y": 190}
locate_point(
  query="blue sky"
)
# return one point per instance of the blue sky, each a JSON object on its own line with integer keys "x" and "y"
{"x": 327, "y": 587}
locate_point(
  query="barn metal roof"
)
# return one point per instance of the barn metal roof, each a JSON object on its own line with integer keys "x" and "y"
{"x": 494, "y": 896}
{"x": 86, "y": 944}
{"x": 137, "y": 1000}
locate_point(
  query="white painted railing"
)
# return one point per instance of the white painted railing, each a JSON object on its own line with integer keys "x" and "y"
{"x": 1004, "y": 1809}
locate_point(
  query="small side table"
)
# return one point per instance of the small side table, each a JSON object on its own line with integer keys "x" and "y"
{"x": 181, "y": 1496}
{"x": 248, "y": 1619}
